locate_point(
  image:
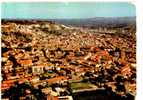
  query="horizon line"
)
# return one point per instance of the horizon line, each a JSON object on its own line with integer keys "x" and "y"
{"x": 61, "y": 18}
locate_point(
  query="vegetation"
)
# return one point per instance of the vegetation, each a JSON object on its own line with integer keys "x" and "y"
{"x": 81, "y": 85}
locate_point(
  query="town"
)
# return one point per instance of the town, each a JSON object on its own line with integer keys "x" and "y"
{"x": 45, "y": 60}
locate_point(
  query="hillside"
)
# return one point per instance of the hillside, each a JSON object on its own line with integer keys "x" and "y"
{"x": 49, "y": 55}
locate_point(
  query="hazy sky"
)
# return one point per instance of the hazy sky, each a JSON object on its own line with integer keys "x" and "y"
{"x": 47, "y": 10}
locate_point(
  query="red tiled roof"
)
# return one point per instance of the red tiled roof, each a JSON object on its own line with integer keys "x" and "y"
{"x": 8, "y": 81}
{"x": 6, "y": 85}
{"x": 52, "y": 97}
{"x": 126, "y": 70}
{"x": 22, "y": 80}
{"x": 25, "y": 62}
{"x": 41, "y": 65}
{"x": 5, "y": 54}
{"x": 104, "y": 53}
{"x": 59, "y": 78}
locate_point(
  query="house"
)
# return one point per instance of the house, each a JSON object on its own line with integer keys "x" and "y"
{"x": 65, "y": 98}
{"x": 126, "y": 70}
{"x": 8, "y": 66}
{"x": 58, "y": 79}
{"x": 50, "y": 97}
{"x": 7, "y": 84}
{"x": 38, "y": 69}
{"x": 87, "y": 56}
{"x": 26, "y": 62}
{"x": 35, "y": 79}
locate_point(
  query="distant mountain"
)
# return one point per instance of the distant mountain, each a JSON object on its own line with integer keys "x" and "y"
{"x": 98, "y": 21}
{"x": 88, "y": 22}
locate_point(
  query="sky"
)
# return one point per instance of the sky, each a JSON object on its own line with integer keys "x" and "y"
{"x": 67, "y": 10}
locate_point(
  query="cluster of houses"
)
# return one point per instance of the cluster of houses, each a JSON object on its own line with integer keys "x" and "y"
{"x": 50, "y": 59}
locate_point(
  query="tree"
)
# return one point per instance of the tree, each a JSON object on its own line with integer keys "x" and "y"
{"x": 119, "y": 79}
{"x": 38, "y": 93}
{"x": 100, "y": 80}
{"x": 14, "y": 93}
{"x": 15, "y": 63}
{"x": 120, "y": 87}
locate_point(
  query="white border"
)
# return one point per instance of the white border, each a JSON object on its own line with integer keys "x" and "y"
{"x": 139, "y": 8}
{"x": 139, "y": 34}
